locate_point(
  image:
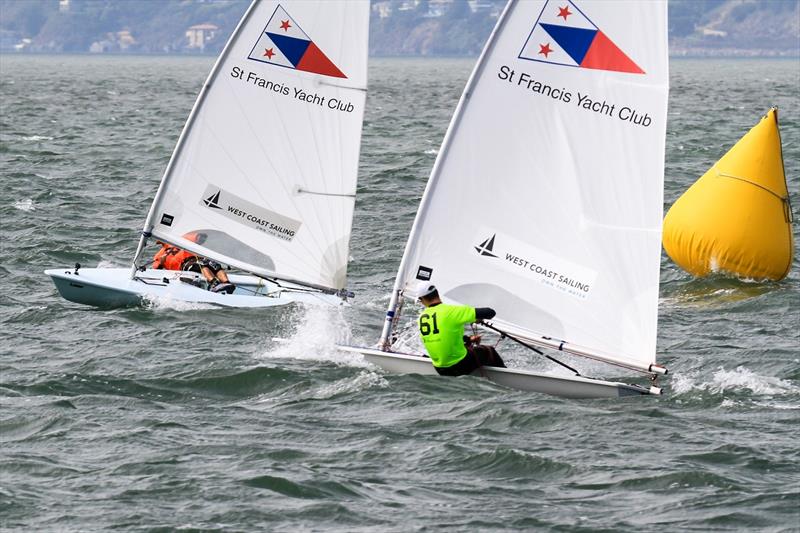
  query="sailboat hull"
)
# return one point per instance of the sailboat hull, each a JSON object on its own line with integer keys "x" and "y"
{"x": 112, "y": 287}
{"x": 562, "y": 386}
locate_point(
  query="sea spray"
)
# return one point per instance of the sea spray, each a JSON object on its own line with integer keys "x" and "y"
{"x": 315, "y": 332}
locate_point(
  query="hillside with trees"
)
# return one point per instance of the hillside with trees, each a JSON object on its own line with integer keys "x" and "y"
{"x": 398, "y": 27}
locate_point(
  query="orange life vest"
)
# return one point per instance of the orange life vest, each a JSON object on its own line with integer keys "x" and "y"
{"x": 172, "y": 258}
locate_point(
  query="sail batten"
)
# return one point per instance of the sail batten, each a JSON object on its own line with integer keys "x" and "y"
{"x": 546, "y": 198}
{"x": 266, "y": 125}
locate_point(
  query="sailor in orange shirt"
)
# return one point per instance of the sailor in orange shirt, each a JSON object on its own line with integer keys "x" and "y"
{"x": 173, "y": 258}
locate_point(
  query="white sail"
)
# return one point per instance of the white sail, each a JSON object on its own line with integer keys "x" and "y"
{"x": 545, "y": 202}
{"x": 264, "y": 175}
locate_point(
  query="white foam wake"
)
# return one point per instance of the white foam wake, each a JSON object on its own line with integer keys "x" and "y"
{"x": 316, "y": 331}
{"x": 165, "y": 303}
{"x": 24, "y": 205}
{"x": 738, "y": 379}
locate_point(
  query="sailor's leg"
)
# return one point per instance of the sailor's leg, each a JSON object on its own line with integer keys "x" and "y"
{"x": 462, "y": 368}
{"x": 208, "y": 274}
{"x": 488, "y": 356}
{"x": 217, "y": 278}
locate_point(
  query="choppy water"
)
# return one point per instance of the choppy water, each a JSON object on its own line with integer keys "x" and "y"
{"x": 186, "y": 417}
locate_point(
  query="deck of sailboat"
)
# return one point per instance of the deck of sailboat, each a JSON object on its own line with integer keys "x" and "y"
{"x": 113, "y": 287}
{"x": 576, "y": 387}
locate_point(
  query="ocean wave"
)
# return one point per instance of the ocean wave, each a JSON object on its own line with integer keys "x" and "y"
{"x": 362, "y": 381}
{"x": 500, "y": 462}
{"x": 24, "y": 205}
{"x": 309, "y": 489}
{"x": 231, "y": 383}
{"x": 738, "y": 379}
{"x": 22, "y": 428}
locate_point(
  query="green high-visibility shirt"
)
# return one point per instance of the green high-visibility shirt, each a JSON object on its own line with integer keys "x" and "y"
{"x": 442, "y": 330}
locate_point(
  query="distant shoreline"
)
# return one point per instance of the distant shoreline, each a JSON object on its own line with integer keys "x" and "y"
{"x": 735, "y": 57}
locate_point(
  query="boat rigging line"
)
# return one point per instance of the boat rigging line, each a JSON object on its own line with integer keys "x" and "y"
{"x": 504, "y": 335}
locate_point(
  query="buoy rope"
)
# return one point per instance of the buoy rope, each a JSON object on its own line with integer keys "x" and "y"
{"x": 773, "y": 193}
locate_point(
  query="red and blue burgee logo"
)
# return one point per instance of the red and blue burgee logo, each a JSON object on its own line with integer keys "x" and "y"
{"x": 563, "y": 35}
{"x": 283, "y": 43}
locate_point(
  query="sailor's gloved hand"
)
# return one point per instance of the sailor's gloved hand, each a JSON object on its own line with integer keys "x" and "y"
{"x": 475, "y": 339}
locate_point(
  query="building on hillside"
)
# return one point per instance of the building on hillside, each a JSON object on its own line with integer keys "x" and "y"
{"x": 408, "y": 5}
{"x": 120, "y": 41}
{"x": 383, "y": 9}
{"x": 125, "y": 40}
{"x": 436, "y": 8}
{"x": 103, "y": 46}
{"x": 198, "y": 35}
{"x": 482, "y": 6}
{"x": 710, "y": 32}
{"x": 23, "y": 45}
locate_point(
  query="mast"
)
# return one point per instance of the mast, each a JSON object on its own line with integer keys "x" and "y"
{"x": 426, "y": 195}
{"x": 148, "y": 224}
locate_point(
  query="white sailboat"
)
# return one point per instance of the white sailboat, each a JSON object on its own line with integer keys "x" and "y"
{"x": 263, "y": 177}
{"x": 545, "y": 202}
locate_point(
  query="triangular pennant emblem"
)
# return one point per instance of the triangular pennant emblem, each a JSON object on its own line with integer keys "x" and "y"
{"x": 285, "y": 44}
{"x": 486, "y": 247}
{"x": 563, "y": 35}
{"x": 213, "y": 201}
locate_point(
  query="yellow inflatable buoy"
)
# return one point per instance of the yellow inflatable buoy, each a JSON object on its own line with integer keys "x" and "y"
{"x": 737, "y": 217}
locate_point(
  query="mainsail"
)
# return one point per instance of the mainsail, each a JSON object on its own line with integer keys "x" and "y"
{"x": 264, "y": 175}
{"x": 545, "y": 202}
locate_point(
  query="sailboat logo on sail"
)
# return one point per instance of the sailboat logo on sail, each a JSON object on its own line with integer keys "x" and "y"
{"x": 486, "y": 247}
{"x": 284, "y": 44}
{"x": 532, "y": 263}
{"x": 563, "y": 35}
{"x": 213, "y": 201}
{"x": 254, "y": 216}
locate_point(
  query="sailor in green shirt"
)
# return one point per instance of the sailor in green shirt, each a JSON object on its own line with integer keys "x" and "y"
{"x": 441, "y": 327}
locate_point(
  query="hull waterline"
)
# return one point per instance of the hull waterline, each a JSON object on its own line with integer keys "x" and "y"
{"x": 563, "y": 386}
